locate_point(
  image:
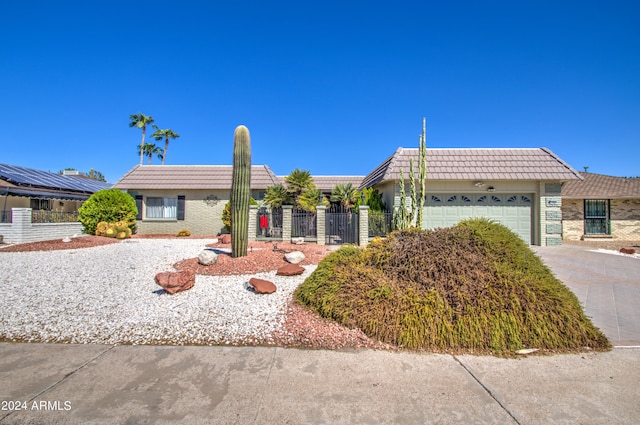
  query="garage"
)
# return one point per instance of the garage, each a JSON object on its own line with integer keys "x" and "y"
{"x": 513, "y": 210}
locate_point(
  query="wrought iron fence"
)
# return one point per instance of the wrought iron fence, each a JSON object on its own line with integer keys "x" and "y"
{"x": 380, "y": 223}
{"x": 269, "y": 223}
{"x": 303, "y": 224}
{"x": 341, "y": 226}
{"x": 41, "y": 216}
{"x": 5, "y": 216}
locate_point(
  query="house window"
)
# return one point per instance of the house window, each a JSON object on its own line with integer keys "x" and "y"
{"x": 166, "y": 208}
{"x": 41, "y": 204}
{"x": 596, "y": 217}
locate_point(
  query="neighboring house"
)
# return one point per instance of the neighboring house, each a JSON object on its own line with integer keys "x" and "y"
{"x": 326, "y": 184}
{"x": 38, "y": 205}
{"x": 22, "y": 187}
{"x": 601, "y": 207}
{"x": 520, "y": 188}
{"x": 171, "y": 198}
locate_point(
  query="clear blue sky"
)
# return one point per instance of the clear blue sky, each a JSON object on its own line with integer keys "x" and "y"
{"x": 333, "y": 87}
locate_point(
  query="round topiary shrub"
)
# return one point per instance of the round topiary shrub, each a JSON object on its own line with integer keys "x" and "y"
{"x": 108, "y": 205}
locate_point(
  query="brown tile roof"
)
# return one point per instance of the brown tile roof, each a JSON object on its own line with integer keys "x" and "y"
{"x": 476, "y": 164}
{"x": 191, "y": 177}
{"x": 599, "y": 186}
{"x": 327, "y": 183}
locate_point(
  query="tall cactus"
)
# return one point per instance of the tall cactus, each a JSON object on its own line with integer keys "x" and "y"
{"x": 422, "y": 166}
{"x": 400, "y": 214}
{"x": 240, "y": 191}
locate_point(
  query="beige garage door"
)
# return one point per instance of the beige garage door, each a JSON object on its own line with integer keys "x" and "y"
{"x": 514, "y": 210}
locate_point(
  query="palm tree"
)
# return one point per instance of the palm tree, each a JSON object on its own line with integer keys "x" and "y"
{"x": 149, "y": 150}
{"x": 165, "y": 134}
{"x": 140, "y": 121}
{"x": 311, "y": 198}
{"x": 277, "y": 196}
{"x": 298, "y": 182}
{"x": 345, "y": 194}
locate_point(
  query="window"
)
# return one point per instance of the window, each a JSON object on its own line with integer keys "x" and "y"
{"x": 596, "y": 217}
{"x": 41, "y": 204}
{"x": 162, "y": 208}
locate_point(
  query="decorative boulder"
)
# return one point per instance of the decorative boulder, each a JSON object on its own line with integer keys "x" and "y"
{"x": 173, "y": 282}
{"x": 294, "y": 257}
{"x": 226, "y": 238}
{"x": 290, "y": 270}
{"x": 67, "y": 239}
{"x": 261, "y": 286}
{"x": 297, "y": 241}
{"x": 207, "y": 257}
{"x": 628, "y": 251}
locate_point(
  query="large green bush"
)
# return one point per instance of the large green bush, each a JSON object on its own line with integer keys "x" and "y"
{"x": 108, "y": 205}
{"x": 476, "y": 287}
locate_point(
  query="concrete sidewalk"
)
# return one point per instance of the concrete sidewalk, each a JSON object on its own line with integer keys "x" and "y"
{"x": 93, "y": 384}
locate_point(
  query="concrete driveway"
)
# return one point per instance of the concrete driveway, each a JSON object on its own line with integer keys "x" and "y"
{"x": 607, "y": 285}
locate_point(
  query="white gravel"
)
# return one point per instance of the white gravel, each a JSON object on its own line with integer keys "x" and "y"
{"x": 107, "y": 294}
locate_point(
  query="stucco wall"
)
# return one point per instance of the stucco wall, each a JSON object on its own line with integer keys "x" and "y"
{"x": 9, "y": 202}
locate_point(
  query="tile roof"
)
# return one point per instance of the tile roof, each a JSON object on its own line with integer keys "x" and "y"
{"x": 191, "y": 177}
{"x": 599, "y": 186}
{"x": 327, "y": 183}
{"x": 476, "y": 164}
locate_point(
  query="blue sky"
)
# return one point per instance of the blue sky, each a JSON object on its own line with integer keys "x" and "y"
{"x": 333, "y": 87}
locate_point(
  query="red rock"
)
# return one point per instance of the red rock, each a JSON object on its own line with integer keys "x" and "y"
{"x": 173, "y": 282}
{"x": 290, "y": 270}
{"x": 262, "y": 286}
{"x": 628, "y": 251}
{"x": 226, "y": 238}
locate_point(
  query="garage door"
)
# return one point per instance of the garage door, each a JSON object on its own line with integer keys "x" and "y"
{"x": 513, "y": 210}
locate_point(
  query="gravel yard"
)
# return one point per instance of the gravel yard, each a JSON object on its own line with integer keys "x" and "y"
{"x": 102, "y": 292}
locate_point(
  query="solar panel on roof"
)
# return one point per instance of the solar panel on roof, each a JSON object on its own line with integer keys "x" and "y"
{"x": 22, "y": 176}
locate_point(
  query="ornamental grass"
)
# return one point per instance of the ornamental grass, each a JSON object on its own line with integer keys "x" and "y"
{"x": 475, "y": 287}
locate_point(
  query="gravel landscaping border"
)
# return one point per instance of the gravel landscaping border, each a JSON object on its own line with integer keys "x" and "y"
{"x": 106, "y": 294}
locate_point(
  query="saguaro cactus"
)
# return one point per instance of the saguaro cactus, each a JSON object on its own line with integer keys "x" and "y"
{"x": 240, "y": 191}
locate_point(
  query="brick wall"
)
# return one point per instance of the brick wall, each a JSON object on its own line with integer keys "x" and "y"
{"x": 625, "y": 219}
{"x": 572, "y": 219}
{"x": 203, "y": 213}
{"x": 22, "y": 230}
{"x": 624, "y": 213}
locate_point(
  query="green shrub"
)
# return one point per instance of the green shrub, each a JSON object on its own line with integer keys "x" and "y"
{"x": 475, "y": 287}
{"x": 226, "y": 214}
{"x": 110, "y": 206}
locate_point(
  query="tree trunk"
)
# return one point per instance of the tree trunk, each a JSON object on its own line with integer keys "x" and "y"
{"x": 142, "y": 145}
{"x": 166, "y": 146}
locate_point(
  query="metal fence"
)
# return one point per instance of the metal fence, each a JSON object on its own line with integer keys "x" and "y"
{"x": 341, "y": 226}
{"x": 41, "y": 216}
{"x": 380, "y": 223}
{"x": 303, "y": 224}
{"x": 269, "y": 223}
